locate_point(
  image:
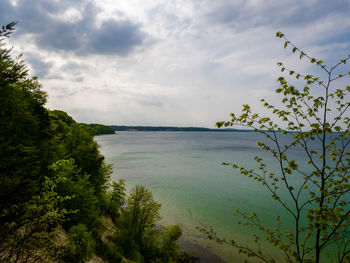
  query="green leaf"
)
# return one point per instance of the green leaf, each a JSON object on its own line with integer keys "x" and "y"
{"x": 279, "y": 35}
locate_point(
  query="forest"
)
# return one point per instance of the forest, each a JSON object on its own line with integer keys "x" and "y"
{"x": 98, "y": 129}
{"x": 58, "y": 203}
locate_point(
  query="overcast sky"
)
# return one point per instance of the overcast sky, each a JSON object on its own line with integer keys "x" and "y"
{"x": 170, "y": 62}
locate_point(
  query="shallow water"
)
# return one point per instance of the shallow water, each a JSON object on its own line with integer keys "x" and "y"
{"x": 184, "y": 172}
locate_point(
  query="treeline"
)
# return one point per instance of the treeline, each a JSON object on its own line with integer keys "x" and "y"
{"x": 98, "y": 129}
{"x": 170, "y": 128}
{"x": 57, "y": 201}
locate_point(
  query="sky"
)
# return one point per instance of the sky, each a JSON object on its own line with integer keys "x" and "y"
{"x": 169, "y": 62}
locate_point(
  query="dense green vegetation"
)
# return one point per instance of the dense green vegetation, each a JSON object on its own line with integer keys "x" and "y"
{"x": 98, "y": 129}
{"x": 57, "y": 201}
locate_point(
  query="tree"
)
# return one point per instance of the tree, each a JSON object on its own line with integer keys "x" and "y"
{"x": 316, "y": 119}
{"x": 24, "y": 125}
{"x": 36, "y": 146}
{"x": 53, "y": 177}
{"x": 138, "y": 219}
{"x": 81, "y": 244}
{"x": 97, "y": 129}
{"x": 71, "y": 140}
{"x": 83, "y": 202}
{"x": 31, "y": 238}
{"x": 116, "y": 197}
{"x": 142, "y": 210}
{"x": 29, "y": 204}
{"x": 170, "y": 249}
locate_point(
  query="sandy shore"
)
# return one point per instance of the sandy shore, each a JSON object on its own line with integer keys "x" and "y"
{"x": 204, "y": 254}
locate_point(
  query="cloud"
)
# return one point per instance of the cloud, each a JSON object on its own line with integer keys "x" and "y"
{"x": 151, "y": 103}
{"x": 170, "y": 62}
{"x": 115, "y": 37}
{"x": 72, "y": 26}
{"x": 71, "y": 66}
{"x": 38, "y": 63}
{"x": 242, "y": 15}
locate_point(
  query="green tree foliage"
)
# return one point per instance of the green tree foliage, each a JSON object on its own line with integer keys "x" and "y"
{"x": 317, "y": 121}
{"x": 32, "y": 141}
{"x": 25, "y": 197}
{"x": 138, "y": 219}
{"x": 83, "y": 202}
{"x": 169, "y": 248}
{"x": 31, "y": 237}
{"x": 81, "y": 244}
{"x": 140, "y": 238}
{"x": 115, "y": 198}
{"x": 98, "y": 129}
{"x": 24, "y": 124}
{"x": 78, "y": 144}
{"x": 53, "y": 177}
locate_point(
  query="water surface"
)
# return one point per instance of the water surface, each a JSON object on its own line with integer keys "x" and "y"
{"x": 184, "y": 172}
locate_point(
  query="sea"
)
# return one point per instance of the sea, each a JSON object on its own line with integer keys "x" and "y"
{"x": 184, "y": 172}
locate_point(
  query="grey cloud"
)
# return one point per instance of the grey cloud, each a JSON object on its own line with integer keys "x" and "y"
{"x": 169, "y": 19}
{"x": 81, "y": 89}
{"x": 78, "y": 79}
{"x": 41, "y": 68}
{"x": 62, "y": 92}
{"x": 240, "y": 15}
{"x": 71, "y": 91}
{"x": 7, "y": 13}
{"x": 73, "y": 67}
{"x": 116, "y": 37}
{"x": 55, "y": 76}
{"x": 42, "y": 20}
{"x": 60, "y": 36}
{"x": 151, "y": 103}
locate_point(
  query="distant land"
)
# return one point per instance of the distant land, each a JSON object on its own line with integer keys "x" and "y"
{"x": 170, "y": 128}
{"x": 100, "y": 129}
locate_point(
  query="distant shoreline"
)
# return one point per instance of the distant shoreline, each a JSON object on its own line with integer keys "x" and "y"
{"x": 170, "y": 128}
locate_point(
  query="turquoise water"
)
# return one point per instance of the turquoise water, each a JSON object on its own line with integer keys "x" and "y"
{"x": 184, "y": 172}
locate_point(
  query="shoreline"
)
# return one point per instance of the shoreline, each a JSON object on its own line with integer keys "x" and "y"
{"x": 204, "y": 254}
